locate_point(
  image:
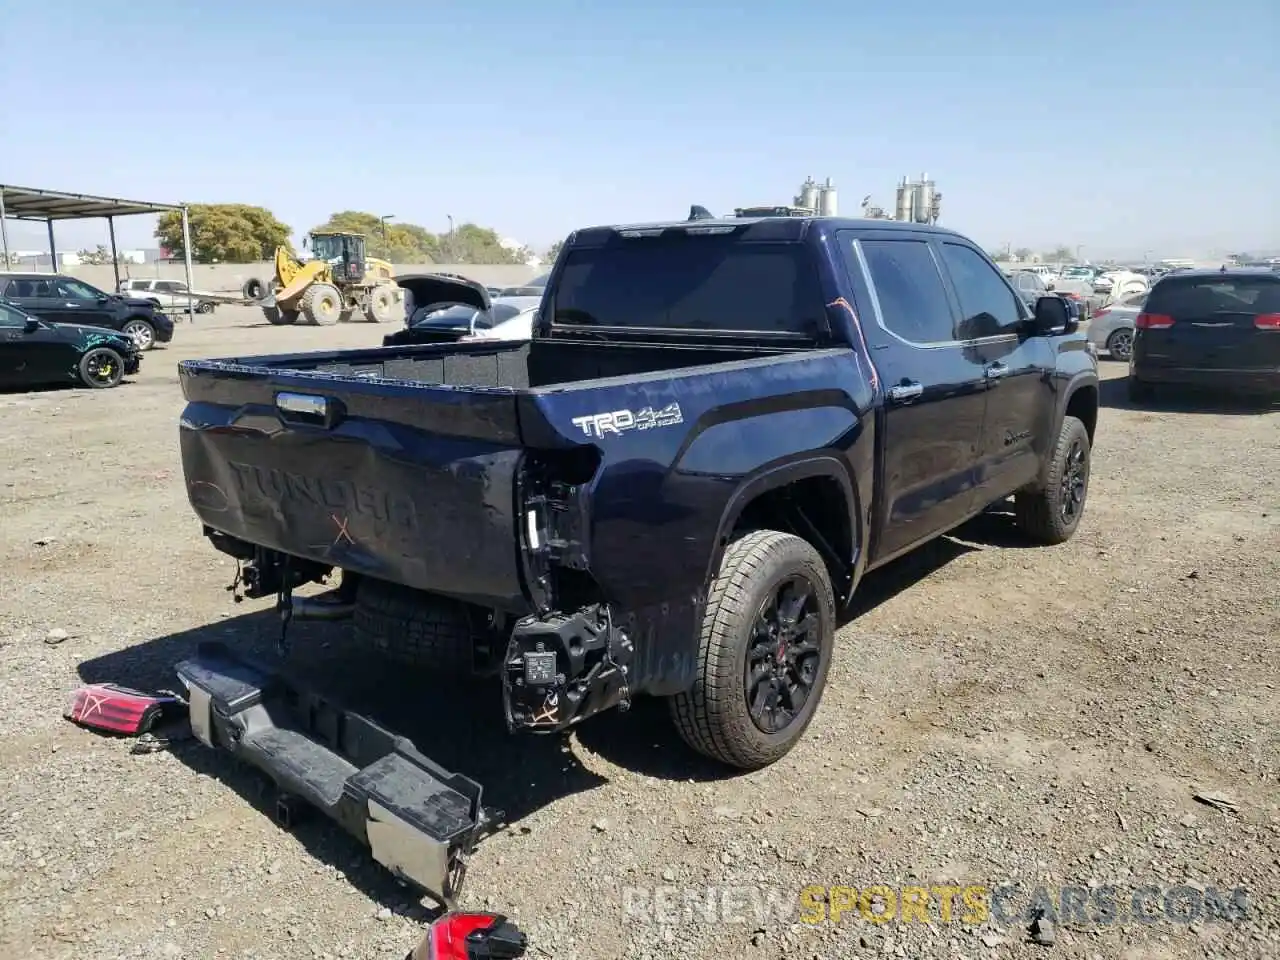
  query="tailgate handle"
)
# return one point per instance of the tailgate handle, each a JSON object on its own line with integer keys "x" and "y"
{"x": 308, "y": 408}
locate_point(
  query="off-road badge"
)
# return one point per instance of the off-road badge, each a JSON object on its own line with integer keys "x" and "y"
{"x": 624, "y": 421}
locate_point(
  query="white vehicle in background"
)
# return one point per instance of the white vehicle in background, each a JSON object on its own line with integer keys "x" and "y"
{"x": 1119, "y": 284}
{"x": 1111, "y": 327}
{"x": 513, "y": 319}
{"x": 168, "y": 295}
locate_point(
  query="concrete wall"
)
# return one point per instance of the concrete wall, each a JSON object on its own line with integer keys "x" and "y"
{"x": 228, "y": 277}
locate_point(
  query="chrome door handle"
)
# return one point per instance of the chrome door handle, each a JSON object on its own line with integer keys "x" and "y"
{"x": 995, "y": 370}
{"x": 905, "y": 391}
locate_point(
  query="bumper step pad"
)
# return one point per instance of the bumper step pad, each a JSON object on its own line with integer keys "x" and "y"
{"x": 419, "y": 820}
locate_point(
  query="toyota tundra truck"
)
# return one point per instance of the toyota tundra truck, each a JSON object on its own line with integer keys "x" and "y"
{"x": 718, "y": 427}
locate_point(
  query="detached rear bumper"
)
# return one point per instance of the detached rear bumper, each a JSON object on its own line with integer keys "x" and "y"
{"x": 419, "y": 820}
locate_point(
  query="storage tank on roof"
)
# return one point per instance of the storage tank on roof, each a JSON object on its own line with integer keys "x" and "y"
{"x": 923, "y": 203}
{"x": 904, "y": 201}
{"x": 828, "y": 200}
{"x": 808, "y": 194}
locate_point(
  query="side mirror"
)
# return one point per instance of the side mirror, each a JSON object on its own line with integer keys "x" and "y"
{"x": 103, "y": 298}
{"x": 31, "y": 326}
{"x": 1052, "y": 315}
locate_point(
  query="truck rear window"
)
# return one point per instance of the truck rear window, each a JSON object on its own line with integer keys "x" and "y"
{"x": 715, "y": 282}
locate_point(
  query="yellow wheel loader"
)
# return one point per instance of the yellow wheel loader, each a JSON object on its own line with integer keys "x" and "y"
{"x": 338, "y": 283}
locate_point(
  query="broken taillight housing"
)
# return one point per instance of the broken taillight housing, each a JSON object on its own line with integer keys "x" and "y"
{"x": 105, "y": 706}
{"x": 471, "y": 936}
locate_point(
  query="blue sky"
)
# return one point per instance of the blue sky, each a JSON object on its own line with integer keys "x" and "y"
{"x": 1123, "y": 127}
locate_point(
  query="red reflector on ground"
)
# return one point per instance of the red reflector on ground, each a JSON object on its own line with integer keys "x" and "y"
{"x": 470, "y": 936}
{"x": 105, "y": 706}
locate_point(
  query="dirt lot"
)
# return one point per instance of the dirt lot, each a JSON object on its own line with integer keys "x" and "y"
{"x": 999, "y": 715}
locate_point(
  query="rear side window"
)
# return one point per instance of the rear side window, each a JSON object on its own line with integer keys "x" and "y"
{"x": 1187, "y": 298}
{"x": 913, "y": 300}
{"x": 700, "y": 282}
{"x": 989, "y": 306}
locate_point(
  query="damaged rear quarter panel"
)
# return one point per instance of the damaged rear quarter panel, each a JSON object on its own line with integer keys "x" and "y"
{"x": 659, "y": 499}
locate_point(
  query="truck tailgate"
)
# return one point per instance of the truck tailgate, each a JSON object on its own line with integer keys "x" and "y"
{"x": 409, "y": 482}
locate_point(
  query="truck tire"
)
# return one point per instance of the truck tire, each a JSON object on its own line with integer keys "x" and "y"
{"x": 414, "y": 628}
{"x": 1051, "y": 515}
{"x": 253, "y": 289}
{"x": 382, "y": 304}
{"x": 749, "y": 650}
{"x": 280, "y": 318}
{"x": 322, "y": 304}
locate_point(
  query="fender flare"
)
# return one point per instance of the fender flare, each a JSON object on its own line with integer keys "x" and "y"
{"x": 777, "y": 475}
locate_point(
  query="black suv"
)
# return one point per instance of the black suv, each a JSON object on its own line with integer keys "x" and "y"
{"x": 1209, "y": 328}
{"x": 56, "y": 298}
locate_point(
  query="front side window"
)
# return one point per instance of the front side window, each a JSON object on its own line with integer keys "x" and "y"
{"x": 989, "y": 307}
{"x": 913, "y": 300}
{"x": 76, "y": 290}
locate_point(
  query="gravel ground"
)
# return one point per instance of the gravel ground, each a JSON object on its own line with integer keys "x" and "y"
{"x": 998, "y": 715}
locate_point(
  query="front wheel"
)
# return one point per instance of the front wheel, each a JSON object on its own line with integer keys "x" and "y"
{"x": 204, "y": 306}
{"x": 764, "y": 652}
{"x": 101, "y": 368}
{"x": 1052, "y": 514}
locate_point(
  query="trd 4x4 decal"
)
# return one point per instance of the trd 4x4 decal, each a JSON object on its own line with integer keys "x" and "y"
{"x": 623, "y": 421}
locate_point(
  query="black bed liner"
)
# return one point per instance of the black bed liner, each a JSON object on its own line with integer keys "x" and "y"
{"x": 419, "y": 820}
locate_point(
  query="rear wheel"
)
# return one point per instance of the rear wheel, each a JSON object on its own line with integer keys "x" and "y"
{"x": 322, "y": 304}
{"x": 1052, "y": 514}
{"x": 101, "y": 368}
{"x": 1120, "y": 345}
{"x": 382, "y": 305}
{"x": 144, "y": 335}
{"x": 414, "y": 628}
{"x": 766, "y": 644}
{"x": 204, "y": 306}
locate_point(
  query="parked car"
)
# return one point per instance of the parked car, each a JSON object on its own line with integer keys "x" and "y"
{"x": 1031, "y": 287}
{"x": 61, "y": 299}
{"x": 509, "y": 325}
{"x": 673, "y": 489}
{"x": 1218, "y": 329}
{"x": 34, "y": 352}
{"x": 442, "y": 308}
{"x": 1111, "y": 327}
{"x": 170, "y": 294}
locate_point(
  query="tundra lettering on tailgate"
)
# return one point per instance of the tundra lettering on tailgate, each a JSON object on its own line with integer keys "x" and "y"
{"x": 620, "y": 421}
{"x": 285, "y": 487}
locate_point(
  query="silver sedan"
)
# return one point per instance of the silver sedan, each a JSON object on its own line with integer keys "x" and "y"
{"x": 1111, "y": 327}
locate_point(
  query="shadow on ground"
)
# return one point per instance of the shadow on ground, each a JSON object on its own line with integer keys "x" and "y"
{"x": 460, "y": 724}
{"x": 1114, "y": 393}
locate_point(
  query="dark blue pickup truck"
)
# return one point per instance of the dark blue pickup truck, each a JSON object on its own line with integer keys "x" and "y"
{"x": 718, "y": 428}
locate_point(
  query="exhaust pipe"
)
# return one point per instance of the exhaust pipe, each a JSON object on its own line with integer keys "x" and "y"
{"x": 318, "y": 608}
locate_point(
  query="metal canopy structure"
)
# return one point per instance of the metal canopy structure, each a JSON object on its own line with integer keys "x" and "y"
{"x": 28, "y": 203}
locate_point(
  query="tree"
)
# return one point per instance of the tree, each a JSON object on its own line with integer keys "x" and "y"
{"x": 1062, "y": 254}
{"x": 94, "y": 257}
{"x": 554, "y": 250}
{"x": 224, "y": 233}
{"x": 473, "y": 244}
{"x": 998, "y": 255}
{"x": 1024, "y": 253}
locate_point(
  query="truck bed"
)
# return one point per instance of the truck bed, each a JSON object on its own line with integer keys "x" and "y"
{"x": 403, "y": 463}
{"x": 513, "y": 365}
